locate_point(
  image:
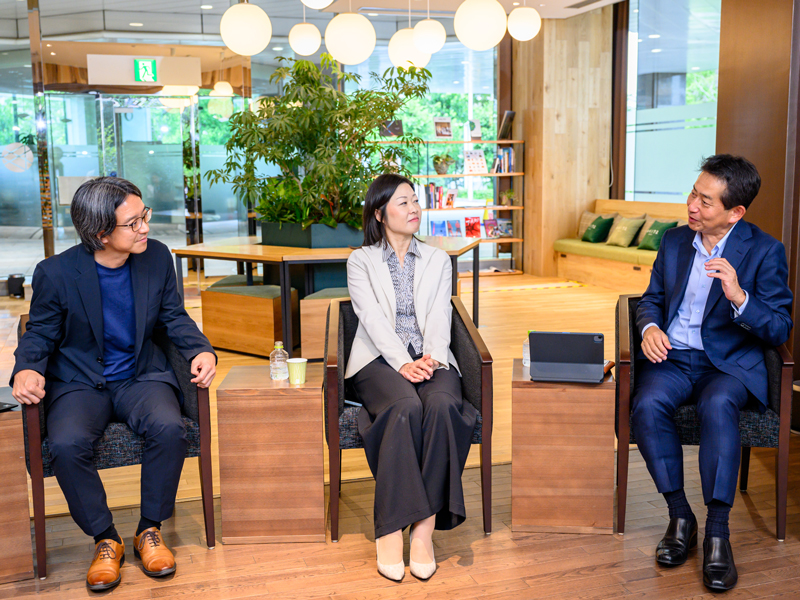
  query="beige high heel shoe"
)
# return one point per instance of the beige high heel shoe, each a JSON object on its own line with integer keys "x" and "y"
{"x": 394, "y": 572}
{"x": 421, "y": 570}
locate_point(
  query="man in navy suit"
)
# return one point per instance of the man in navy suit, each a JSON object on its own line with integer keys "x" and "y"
{"x": 88, "y": 354}
{"x": 717, "y": 296}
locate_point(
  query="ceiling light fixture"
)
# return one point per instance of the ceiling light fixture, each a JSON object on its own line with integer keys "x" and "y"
{"x": 206, "y": 7}
{"x": 655, "y": 50}
{"x": 136, "y": 24}
{"x": 350, "y": 38}
{"x": 317, "y": 4}
{"x": 245, "y": 28}
{"x": 480, "y": 24}
{"x": 304, "y": 38}
{"x": 429, "y": 35}
{"x": 654, "y": 36}
{"x": 403, "y": 52}
{"x": 524, "y": 23}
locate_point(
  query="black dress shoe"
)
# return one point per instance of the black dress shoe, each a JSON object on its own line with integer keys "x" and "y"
{"x": 719, "y": 572}
{"x": 681, "y": 536}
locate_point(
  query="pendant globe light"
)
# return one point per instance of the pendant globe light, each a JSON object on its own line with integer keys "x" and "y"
{"x": 222, "y": 88}
{"x": 402, "y": 50}
{"x": 524, "y": 23}
{"x": 429, "y": 35}
{"x": 317, "y": 4}
{"x": 245, "y": 28}
{"x": 480, "y": 24}
{"x": 350, "y": 38}
{"x": 304, "y": 38}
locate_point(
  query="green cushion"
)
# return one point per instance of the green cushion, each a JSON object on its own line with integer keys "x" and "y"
{"x": 232, "y": 280}
{"x": 598, "y": 230}
{"x": 624, "y": 232}
{"x": 652, "y": 239}
{"x": 329, "y": 294}
{"x": 269, "y": 292}
{"x": 588, "y": 217}
{"x": 630, "y": 255}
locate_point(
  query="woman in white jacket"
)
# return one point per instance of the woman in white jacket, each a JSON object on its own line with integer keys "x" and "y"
{"x": 415, "y": 425}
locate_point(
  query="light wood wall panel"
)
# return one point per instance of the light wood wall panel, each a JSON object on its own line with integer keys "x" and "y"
{"x": 562, "y": 97}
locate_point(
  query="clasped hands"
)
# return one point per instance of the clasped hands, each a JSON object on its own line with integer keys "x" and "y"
{"x": 419, "y": 370}
{"x": 655, "y": 342}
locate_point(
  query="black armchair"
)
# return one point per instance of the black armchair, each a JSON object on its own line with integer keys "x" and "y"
{"x": 120, "y": 447}
{"x": 770, "y": 430}
{"x": 341, "y": 422}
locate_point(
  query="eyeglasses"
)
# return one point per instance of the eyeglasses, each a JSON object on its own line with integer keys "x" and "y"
{"x": 136, "y": 224}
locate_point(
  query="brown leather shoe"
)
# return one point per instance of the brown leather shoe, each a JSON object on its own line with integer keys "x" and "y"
{"x": 157, "y": 560}
{"x": 104, "y": 573}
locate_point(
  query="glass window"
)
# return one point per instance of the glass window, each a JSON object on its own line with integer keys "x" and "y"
{"x": 673, "y": 63}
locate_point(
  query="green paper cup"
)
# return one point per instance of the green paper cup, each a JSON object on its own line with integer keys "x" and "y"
{"x": 297, "y": 370}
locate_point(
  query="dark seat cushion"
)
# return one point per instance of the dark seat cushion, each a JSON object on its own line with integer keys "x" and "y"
{"x": 120, "y": 447}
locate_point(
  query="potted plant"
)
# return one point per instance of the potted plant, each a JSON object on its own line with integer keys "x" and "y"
{"x": 324, "y": 143}
{"x": 507, "y": 197}
{"x": 442, "y": 162}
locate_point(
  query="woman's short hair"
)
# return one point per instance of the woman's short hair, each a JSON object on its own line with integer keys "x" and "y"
{"x": 94, "y": 205}
{"x": 378, "y": 196}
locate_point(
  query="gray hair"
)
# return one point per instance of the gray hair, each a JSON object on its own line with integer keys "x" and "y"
{"x": 93, "y": 208}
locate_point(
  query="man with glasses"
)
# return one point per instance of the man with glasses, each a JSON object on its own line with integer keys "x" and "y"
{"x": 88, "y": 354}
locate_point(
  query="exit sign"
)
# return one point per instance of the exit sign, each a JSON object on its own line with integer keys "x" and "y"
{"x": 145, "y": 70}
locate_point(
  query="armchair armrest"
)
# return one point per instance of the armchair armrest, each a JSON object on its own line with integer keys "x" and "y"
{"x": 475, "y": 362}
{"x": 624, "y": 325}
{"x": 330, "y": 382}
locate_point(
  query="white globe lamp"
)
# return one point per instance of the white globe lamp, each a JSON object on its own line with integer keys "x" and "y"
{"x": 524, "y": 23}
{"x": 350, "y": 38}
{"x": 305, "y": 39}
{"x": 404, "y": 53}
{"x": 429, "y": 36}
{"x": 222, "y": 88}
{"x": 317, "y": 4}
{"x": 480, "y": 24}
{"x": 245, "y": 29}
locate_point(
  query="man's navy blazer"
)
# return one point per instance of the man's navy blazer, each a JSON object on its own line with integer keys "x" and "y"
{"x": 735, "y": 345}
{"x": 64, "y": 336}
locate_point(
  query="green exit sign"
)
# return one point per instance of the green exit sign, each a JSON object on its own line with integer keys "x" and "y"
{"x": 145, "y": 70}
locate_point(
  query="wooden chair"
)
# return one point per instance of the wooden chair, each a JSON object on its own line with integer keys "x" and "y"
{"x": 341, "y": 422}
{"x": 120, "y": 447}
{"x": 770, "y": 430}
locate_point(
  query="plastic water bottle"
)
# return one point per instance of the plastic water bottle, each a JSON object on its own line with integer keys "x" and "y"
{"x": 278, "y": 367}
{"x": 526, "y": 353}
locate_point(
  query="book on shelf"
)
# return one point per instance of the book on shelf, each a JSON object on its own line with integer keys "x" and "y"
{"x": 474, "y": 162}
{"x": 391, "y": 128}
{"x": 450, "y": 198}
{"x": 490, "y": 225}
{"x": 420, "y": 191}
{"x": 504, "y": 161}
{"x": 504, "y": 228}
{"x": 442, "y": 128}
{"x": 472, "y": 225}
{"x": 438, "y": 228}
{"x": 504, "y": 131}
{"x": 454, "y": 228}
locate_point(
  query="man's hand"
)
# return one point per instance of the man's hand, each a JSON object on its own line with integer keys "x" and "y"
{"x": 720, "y": 268}
{"x": 419, "y": 370}
{"x": 655, "y": 344}
{"x": 28, "y": 387}
{"x": 204, "y": 367}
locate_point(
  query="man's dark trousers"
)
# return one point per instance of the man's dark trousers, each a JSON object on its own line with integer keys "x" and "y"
{"x": 688, "y": 377}
{"x": 76, "y": 421}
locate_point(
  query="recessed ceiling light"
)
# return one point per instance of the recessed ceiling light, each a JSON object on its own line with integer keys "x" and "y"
{"x": 52, "y": 54}
{"x": 464, "y": 62}
{"x": 654, "y": 36}
{"x": 206, "y": 6}
{"x": 515, "y": 3}
{"x": 635, "y": 10}
{"x": 277, "y": 48}
{"x": 136, "y": 24}
{"x": 372, "y": 14}
{"x": 695, "y": 68}
{"x": 639, "y": 40}
{"x": 48, "y": 45}
{"x": 27, "y": 66}
{"x": 456, "y": 82}
{"x": 656, "y": 50}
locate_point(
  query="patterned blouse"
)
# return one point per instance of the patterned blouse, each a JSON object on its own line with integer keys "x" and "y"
{"x": 406, "y": 325}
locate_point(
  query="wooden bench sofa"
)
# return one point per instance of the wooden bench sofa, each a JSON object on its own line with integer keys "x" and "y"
{"x": 624, "y": 269}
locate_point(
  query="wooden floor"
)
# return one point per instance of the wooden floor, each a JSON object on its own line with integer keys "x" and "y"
{"x": 471, "y": 565}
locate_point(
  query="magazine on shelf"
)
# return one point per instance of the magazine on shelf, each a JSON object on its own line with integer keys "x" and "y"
{"x": 438, "y": 228}
{"x": 504, "y": 131}
{"x": 454, "y": 228}
{"x": 442, "y": 127}
{"x": 450, "y": 198}
{"x": 473, "y": 227}
{"x": 475, "y": 131}
{"x": 391, "y": 128}
{"x": 490, "y": 225}
{"x": 474, "y": 162}
{"x": 504, "y": 228}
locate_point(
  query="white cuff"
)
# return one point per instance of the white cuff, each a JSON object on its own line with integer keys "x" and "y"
{"x": 648, "y": 326}
{"x": 738, "y": 311}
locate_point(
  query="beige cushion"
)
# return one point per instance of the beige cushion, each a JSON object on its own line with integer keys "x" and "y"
{"x": 587, "y": 218}
{"x": 622, "y": 235}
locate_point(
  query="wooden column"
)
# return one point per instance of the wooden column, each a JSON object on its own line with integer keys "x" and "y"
{"x": 619, "y": 99}
{"x": 562, "y": 97}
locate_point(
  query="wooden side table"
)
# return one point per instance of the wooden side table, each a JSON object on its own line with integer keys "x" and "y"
{"x": 16, "y": 553}
{"x": 271, "y": 457}
{"x": 562, "y": 455}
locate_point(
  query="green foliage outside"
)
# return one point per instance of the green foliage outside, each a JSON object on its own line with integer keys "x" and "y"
{"x": 701, "y": 86}
{"x": 323, "y": 140}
